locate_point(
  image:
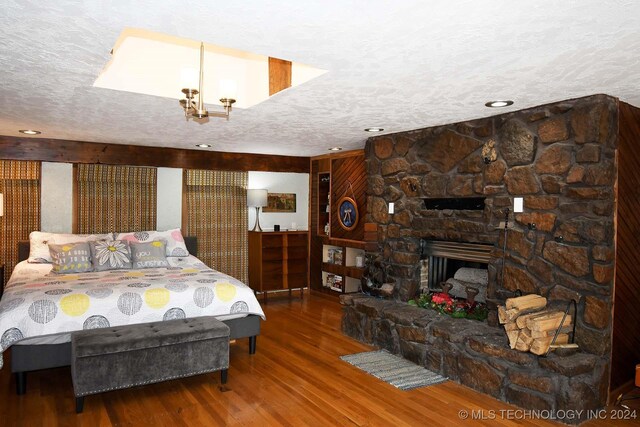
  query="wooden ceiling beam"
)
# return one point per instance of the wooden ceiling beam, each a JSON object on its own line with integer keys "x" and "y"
{"x": 67, "y": 151}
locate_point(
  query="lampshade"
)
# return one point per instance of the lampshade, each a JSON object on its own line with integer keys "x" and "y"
{"x": 256, "y": 198}
{"x": 1, "y": 204}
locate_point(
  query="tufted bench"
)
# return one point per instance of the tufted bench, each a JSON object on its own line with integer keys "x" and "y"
{"x": 127, "y": 356}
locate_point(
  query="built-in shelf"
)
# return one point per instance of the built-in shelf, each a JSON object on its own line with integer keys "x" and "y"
{"x": 342, "y": 267}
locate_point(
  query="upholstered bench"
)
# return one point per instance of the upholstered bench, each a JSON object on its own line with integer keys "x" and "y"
{"x": 127, "y": 356}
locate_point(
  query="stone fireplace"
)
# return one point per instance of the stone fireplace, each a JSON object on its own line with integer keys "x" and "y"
{"x": 561, "y": 159}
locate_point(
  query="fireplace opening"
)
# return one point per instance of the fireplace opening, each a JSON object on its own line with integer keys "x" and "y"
{"x": 463, "y": 266}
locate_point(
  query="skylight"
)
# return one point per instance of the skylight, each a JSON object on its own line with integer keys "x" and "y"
{"x": 159, "y": 64}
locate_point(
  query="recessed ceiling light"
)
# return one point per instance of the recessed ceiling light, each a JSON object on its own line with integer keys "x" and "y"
{"x": 373, "y": 130}
{"x": 203, "y": 145}
{"x": 30, "y": 132}
{"x": 335, "y": 149}
{"x": 498, "y": 104}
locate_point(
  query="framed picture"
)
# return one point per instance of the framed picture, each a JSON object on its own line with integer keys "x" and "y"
{"x": 280, "y": 202}
{"x": 348, "y": 213}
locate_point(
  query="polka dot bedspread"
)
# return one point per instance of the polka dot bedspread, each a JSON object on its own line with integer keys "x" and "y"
{"x": 38, "y": 302}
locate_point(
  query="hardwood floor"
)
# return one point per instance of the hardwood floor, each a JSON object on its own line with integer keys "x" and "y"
{"x": 294, "y": 379}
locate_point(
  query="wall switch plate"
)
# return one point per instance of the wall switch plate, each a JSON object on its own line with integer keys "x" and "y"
{"x": 391, "y": 207}
{"x": 518, "y": 205}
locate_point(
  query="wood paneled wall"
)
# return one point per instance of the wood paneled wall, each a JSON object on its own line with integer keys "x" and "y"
{"x": 348, "y": 178}
{"x": 58, "y": 150}
{"x": 315, "y": 241}
{"x": 626, "y": 334}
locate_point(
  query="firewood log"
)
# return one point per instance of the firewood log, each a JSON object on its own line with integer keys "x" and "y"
{"x": 548, "y": 322}
{"x": 550, "y": 332}
{"x": 502, "y": 314}
{"x": 541, "y": 345}
{"x": 521, "y": 321}
{"x": 526, "y": 302}
{"x": 510, "y": 315}
{"x": 513, "y": 337}
{"x": 524, "y": 340}
{"x": 511, "y": 326}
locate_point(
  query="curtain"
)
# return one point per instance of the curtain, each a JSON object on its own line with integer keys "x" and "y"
{"x": 20, "y": 187}
{"x": 215, "y": 210}
{"x": 114, "y": 198}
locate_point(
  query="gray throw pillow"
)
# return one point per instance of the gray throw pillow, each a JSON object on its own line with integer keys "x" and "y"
{"x": 149, "y": 254}
{"x": 71, "y": 257}
{"x": 110, "y": 255}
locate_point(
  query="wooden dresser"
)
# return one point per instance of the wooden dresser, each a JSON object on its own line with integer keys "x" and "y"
{"x": 278, "y": 260}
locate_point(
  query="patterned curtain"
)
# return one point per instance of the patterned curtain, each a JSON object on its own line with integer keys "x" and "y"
{"x": 20, "y": 186}
{"x": 114, "y": 198}
{"x": 216, "y": 212}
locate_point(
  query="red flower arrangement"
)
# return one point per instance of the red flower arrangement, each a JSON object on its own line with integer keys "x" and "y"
{"x": 446, "y": 304}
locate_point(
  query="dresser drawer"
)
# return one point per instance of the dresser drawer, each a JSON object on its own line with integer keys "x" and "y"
{"x": 271, "y": 282}
{"x": 272, "y": 254}
{"x": 297, "y": 280}
{"x": 272, "y": 241}
{"x": 297, "y": 267}
{"x": 297, "y": 253}
{"x": 297, "y": 240}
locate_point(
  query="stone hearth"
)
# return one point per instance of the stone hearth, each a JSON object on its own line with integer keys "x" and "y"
{"x": 477, "y": 355}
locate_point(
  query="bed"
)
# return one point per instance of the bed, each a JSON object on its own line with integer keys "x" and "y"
{"x": 39, "y": 309}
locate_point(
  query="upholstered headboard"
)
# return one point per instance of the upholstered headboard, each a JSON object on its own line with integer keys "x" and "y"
{"x": 191, "y": 243}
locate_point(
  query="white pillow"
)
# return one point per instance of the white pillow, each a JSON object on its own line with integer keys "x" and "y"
{"x": 39, "y": 241}
{"x": 175, "y": 241}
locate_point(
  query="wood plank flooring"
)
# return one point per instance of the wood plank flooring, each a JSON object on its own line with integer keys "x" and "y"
{"x": 295, "y": 379}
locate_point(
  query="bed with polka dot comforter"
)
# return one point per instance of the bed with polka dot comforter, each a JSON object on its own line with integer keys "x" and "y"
{"x": 37, "y": 302}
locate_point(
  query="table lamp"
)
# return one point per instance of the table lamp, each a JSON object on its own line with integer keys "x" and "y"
{"x": 257, "y": 199}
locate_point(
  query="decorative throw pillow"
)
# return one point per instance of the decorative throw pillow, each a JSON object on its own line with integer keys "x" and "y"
{"x": 149, "y": 254}
{"x": 110, "y": 255}
{"x": 71, "y": 257}
{"x": 173, "y": 238}
{"x": 39, "y": 243}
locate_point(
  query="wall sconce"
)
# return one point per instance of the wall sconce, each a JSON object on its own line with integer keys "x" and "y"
{"x": 257, "y": 199}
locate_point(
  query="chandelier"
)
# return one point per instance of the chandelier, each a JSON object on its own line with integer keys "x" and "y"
{"x": 197, "y": 110}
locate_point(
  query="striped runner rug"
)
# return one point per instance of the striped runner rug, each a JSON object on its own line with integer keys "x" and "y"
{"x": 393, "y": 369}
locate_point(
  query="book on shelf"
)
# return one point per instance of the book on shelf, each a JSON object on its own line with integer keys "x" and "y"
{"x": 337, "y": 256}
{"x": 329, "y": 281}
{"x": 337, "y": 284}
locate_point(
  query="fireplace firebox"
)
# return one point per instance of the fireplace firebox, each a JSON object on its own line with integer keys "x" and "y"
{"x": 461, "y": 265}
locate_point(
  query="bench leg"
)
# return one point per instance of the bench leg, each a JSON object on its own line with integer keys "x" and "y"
{"x": 79, "y": 404}
{"x": 252, "y": 345}
{"x": 21, "y": 383}
{"x": 223, "y": 376}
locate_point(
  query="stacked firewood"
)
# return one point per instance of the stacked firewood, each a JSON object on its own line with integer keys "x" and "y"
{"x": 530, "y": 327}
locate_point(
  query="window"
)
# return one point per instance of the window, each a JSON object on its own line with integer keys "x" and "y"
{"x": 20, "y": 187}
{"x": 114, "y": 198}
{"x": 215, "y": 211}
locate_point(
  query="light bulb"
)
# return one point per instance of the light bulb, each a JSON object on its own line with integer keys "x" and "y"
{"x": 188, "y": 78}
{"x": 228, "y": 89}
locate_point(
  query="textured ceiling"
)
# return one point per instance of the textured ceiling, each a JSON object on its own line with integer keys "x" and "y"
{"x": 400, "y": 65}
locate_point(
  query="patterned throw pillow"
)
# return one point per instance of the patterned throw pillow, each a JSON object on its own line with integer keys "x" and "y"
{"x": 39, "y": 243}
{"x": 173, "y": 238}
{"x": 149, "y": 254}
{"x": 71, "y": 258}
{"x": 110, "y": 255}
